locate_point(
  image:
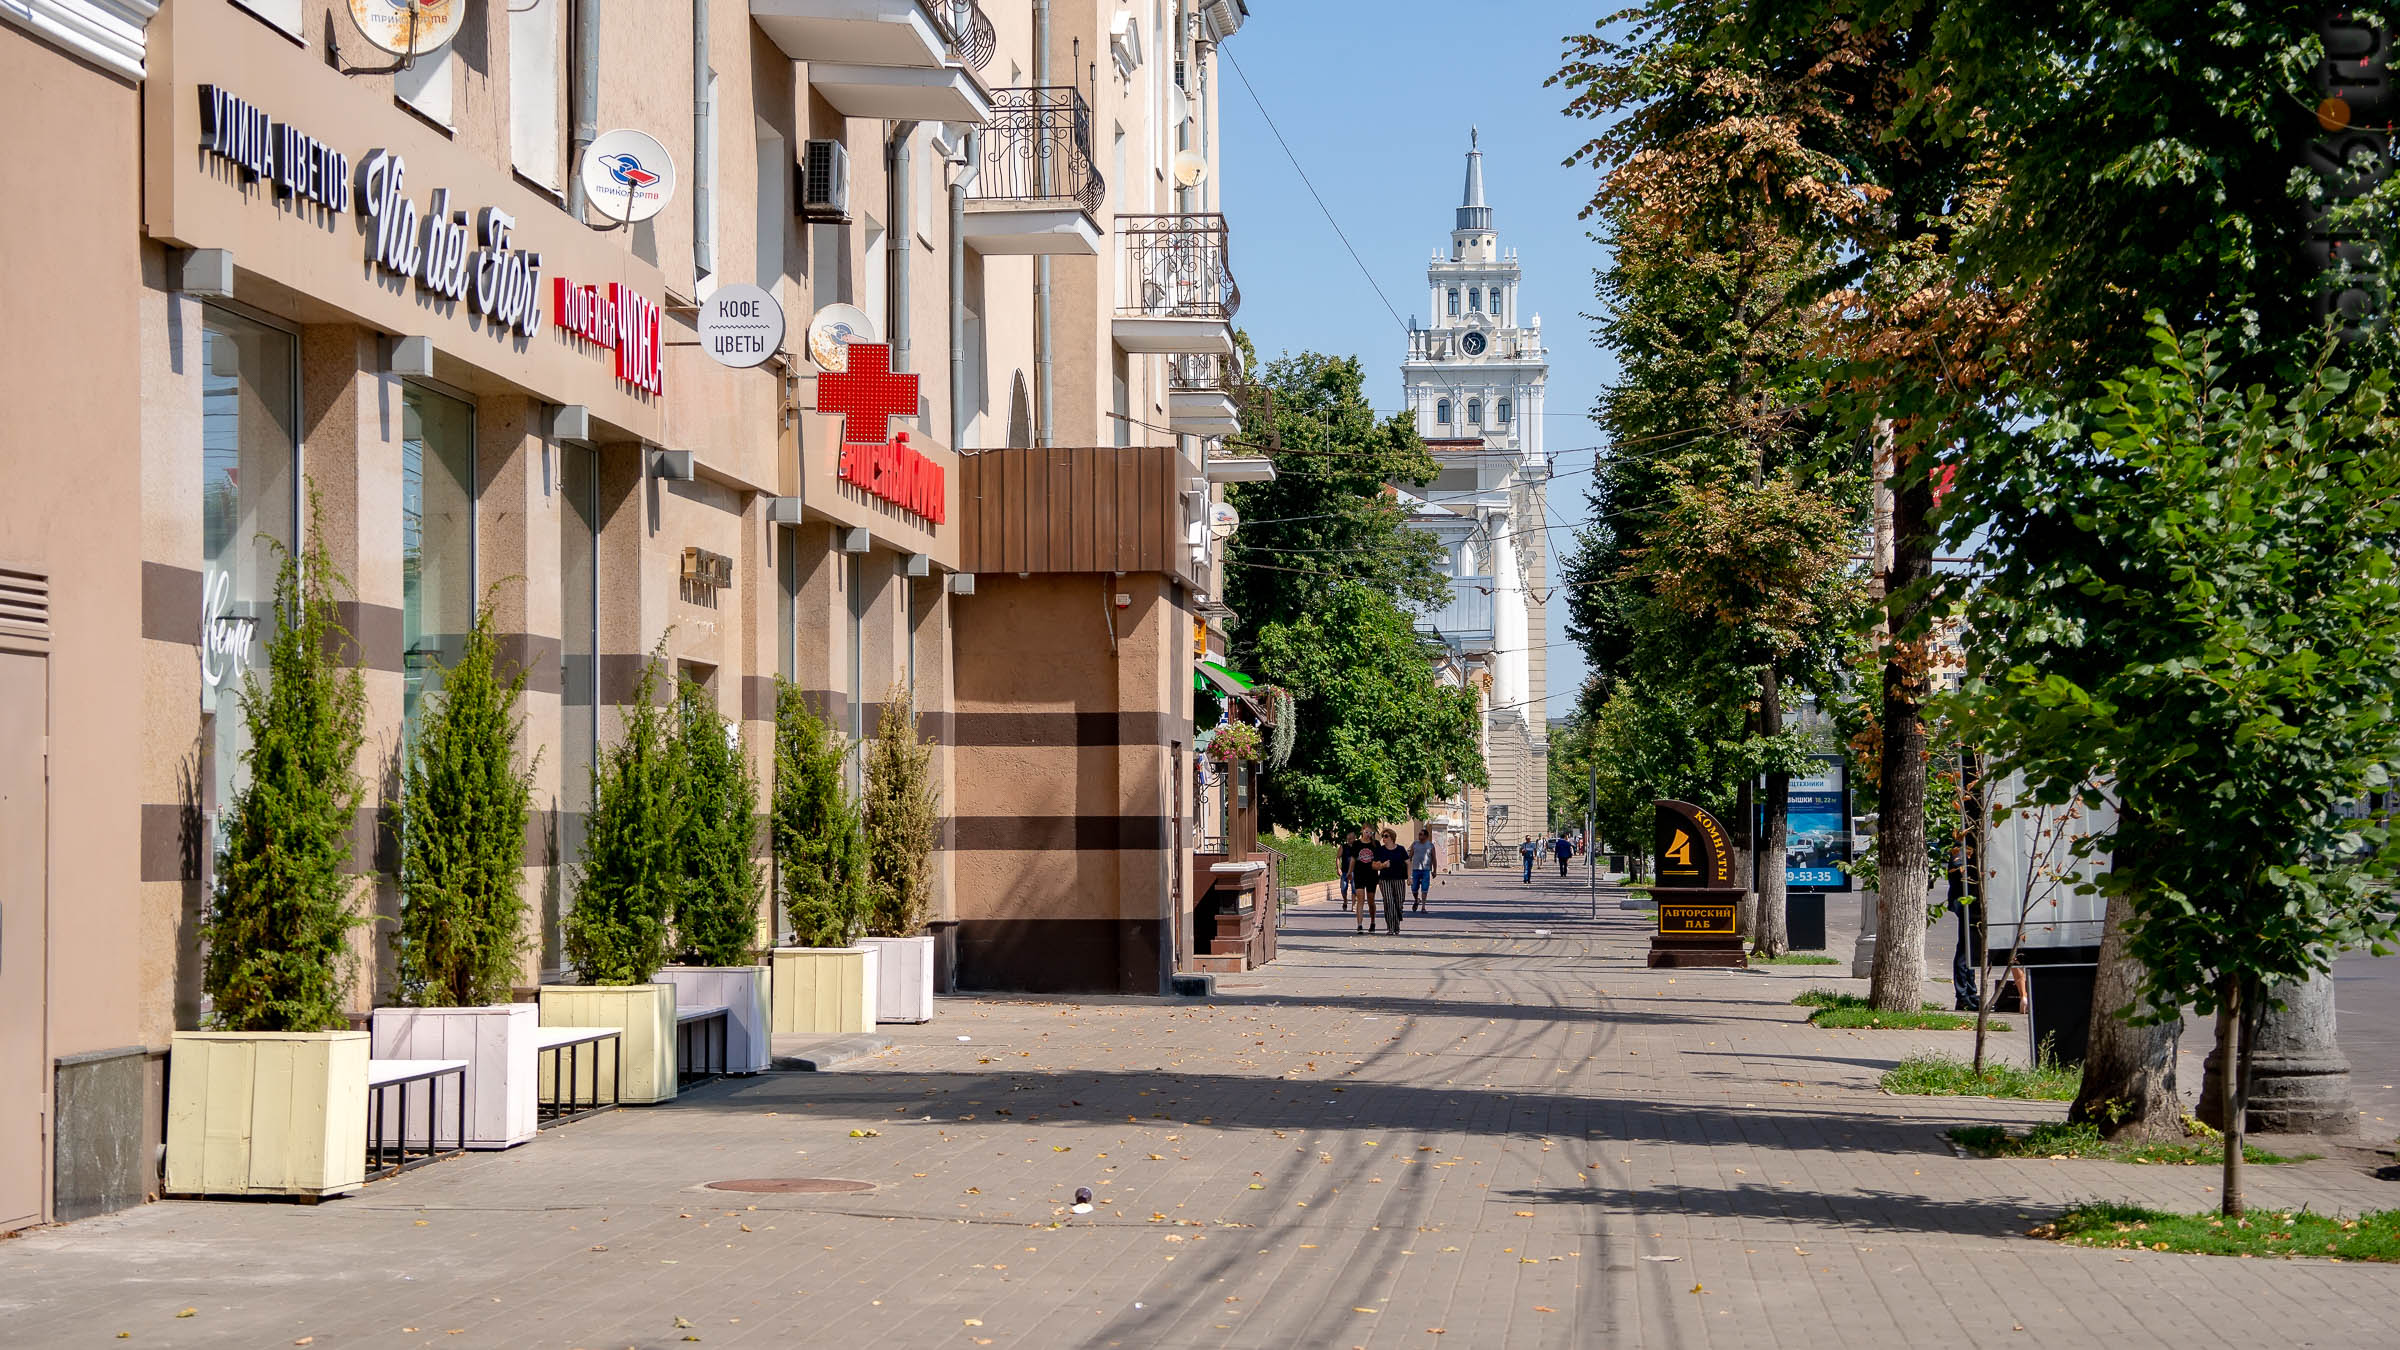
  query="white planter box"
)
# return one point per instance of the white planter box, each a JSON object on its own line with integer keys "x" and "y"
{"x": 903, "y": 978}
{"x": 496, "y": 1041}
{"x": 266, "y": 1113}
{"x": 646, "y": 1015}
{"x": 744, "y": 990}
{"x": 824, "y": 991}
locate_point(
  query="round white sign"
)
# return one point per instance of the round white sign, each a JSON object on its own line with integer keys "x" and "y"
{"x": 628, "y": 175}
{"x": 832, "y": 331}
{"x": 741, "y": 326}
{"x": 408, "y": 27}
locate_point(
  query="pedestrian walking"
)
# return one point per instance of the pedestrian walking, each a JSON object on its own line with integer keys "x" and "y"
{"x": 1526, "y": 851}
{"x": 1421, "y": 862}
{"x": 1365, "y": 869}
{"x": 1393, "y": 859}
{"x": 1341, "y": 873}
{"x": 1564, "y": 850}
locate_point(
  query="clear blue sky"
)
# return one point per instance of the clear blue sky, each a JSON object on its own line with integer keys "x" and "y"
{"x": 1375, "y": 100}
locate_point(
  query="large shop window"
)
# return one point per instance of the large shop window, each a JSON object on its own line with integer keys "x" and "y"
{"x": 579, "y": 650}
{"x": 787, "y": 602}
{"x": 249, "y": 514}
{"x": 437, "y": 540}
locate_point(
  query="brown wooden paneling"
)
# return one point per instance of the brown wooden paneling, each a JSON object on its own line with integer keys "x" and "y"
{"x": 1103, "y": 509}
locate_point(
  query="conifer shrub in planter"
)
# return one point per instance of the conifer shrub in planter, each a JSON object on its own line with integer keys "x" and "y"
{"x": 903, "y": 821}
{"x": 628, "y": 886}
{"x": 464, "y": 800}
{"x": 716, "y": 936}
{"x": 272, "y": 1099}
{"x": 823, "y": 984}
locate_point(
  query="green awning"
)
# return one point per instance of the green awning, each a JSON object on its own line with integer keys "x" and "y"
{"x": 1207, "y": 673}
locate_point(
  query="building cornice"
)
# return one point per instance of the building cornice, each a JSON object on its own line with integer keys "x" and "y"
{"x": 111, "y": 34}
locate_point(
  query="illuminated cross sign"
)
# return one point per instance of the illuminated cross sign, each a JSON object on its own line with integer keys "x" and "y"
{"x": 867, "y": 396}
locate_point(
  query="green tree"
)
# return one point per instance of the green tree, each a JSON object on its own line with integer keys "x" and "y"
{"x": 904, "y": 818}
{"x": 463, "y": 805}
{"x": 278, "y": 928}
{"x": 1326, "y": 574}
{"x": 2194, "y": 604}
{"x": 1379, "y": 736}
{"x": 631, "y": 879}
{"x": 716, "y": 904}
{"x": 820, "y": 846}
{"x": 1726, "y": 505}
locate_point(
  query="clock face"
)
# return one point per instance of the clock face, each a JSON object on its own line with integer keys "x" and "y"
{"x": 1472, "y": 343}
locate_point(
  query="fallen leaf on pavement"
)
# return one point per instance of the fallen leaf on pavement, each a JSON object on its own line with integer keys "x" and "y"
{"x": 189, "y": 1312}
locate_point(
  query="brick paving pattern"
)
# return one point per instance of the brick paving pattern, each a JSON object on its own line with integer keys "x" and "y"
{"x": 1495, "y": 1129}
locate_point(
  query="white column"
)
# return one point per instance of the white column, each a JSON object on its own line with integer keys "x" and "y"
{"x": 1508, "y": 618}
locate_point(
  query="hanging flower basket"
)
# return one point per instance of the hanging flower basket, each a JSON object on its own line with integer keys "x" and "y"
{"x": 1234, "y": 742}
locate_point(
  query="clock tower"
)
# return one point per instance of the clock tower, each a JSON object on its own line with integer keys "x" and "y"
{"x": 1474, "y": 382}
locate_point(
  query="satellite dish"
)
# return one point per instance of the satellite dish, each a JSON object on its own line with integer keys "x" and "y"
{"x": 408, "y": 27}
{"x": 1223, "y": 520}
{"x": 1179, "y": 106}
{"x": 832, "y": 331}
{"x": 1191, "y": 169}
{"x": 627, "y": 174}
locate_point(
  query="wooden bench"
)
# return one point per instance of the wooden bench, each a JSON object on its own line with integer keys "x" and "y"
{"x": 394, "y": 1077}
{"x": 697, "y": 1029}
{"x": 562, "y": 1048}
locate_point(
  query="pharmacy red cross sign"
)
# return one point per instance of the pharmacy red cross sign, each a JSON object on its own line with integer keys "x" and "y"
{"x": 867, "y": 396}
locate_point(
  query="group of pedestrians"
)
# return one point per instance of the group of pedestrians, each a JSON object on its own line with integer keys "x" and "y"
{"x": 1373, "y": 867}
{"x": 1557, "y": 844}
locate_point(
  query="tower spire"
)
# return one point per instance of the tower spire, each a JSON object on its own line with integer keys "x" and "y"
{"x": 1472, "y": 213}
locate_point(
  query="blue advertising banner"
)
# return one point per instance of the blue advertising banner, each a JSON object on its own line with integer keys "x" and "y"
{"x": 1816, "y": 839}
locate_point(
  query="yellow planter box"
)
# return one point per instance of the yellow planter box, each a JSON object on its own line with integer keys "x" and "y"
{"x": 824, "y": 991}
{"x": 644, "y": 1012}
{"x": 266, "y": 1113}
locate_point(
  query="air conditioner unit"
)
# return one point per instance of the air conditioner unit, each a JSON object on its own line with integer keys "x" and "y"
{"x": 825, "y": 182}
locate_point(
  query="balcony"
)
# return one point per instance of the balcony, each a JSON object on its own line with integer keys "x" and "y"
{"x": 1200, "y": 395}
{"x": 1465, "y": 624}
{"x": 906, "y": 60}
{"x": 1035, "y": 188}
{"x": 1179, "y": 290}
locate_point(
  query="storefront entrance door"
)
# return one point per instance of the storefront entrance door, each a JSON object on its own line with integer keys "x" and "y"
{"x": 24, "y": 875}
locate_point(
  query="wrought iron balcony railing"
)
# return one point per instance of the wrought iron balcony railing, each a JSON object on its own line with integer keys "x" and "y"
{"x": 1038, "y": 147}
{"x": 969, "y": 29}
{"x": 1177, "y": 267}
{"x": 1201, "y": 373}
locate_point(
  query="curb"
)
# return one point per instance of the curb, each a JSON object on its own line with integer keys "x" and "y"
{"x": 832, "y": 1054}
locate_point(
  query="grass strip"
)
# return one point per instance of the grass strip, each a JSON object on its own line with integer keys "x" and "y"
{"x": 1950, "y": 1076}
{"x": 2369, "y": 1237}
{"x": 2202, "y": 1146}
{"x": 1794, "y": 959}
{"x": 1852, "y": 1012}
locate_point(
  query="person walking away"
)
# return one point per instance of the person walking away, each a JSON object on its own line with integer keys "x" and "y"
{"x": 1393, "y": 861}
{"x": 1421, "y": 863}
{"x": 1526, "y": 851}
{"x": 1341, "y": 873}
{"x": 1564, "y": 850}
{"x": 1365, "y": 868}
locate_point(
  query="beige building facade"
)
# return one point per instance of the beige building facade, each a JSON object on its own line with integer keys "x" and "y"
{"x": 293, "y": 287}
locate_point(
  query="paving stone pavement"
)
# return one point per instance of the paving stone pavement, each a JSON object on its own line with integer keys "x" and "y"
{"x": 1494, "y": 1129}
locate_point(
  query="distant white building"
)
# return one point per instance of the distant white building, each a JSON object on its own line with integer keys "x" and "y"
{"x": 1474, "y": 380}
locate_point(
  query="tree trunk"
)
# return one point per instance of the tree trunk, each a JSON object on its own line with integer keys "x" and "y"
{"x": 1745, "y": 910}
{"x": 1899, "y": 984}
{"x": 2229, "y": 1022}
{"x": 2129, "y": 1069}
{"x": 1772, "y": 936}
